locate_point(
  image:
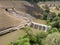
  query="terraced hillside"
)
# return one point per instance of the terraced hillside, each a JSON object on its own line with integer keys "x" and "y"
{"x": 7, "y": 21}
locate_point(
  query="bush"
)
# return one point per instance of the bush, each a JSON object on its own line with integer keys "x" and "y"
{"x": 53, "y": 39}
{"x": 22, "y": 41}
{"x": 59, "y": 14}
{"x": 57, "y": 8}
{"x": 56, "y": 18}
{"x": 45, "y": 15}
{"x": 41, "y": 37}
{"x": 53, "y": 30}
{"x": 53, "y": 14}
{"x": 59, "y": 29}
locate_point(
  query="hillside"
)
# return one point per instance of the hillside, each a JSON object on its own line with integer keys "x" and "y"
{"x": 22, "y": 6}
{"x": 7, "y": 21}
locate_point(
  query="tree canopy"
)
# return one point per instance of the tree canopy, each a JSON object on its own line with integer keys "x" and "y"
{"x": 53, "y": 39}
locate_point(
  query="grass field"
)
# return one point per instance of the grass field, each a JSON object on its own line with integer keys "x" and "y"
{"x": 10, "y": 37}
{"x": 13, "y": 36}
{"x": 40, "y": 21}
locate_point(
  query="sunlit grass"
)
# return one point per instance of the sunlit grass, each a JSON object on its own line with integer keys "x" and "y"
{"x": 40, "y": 21}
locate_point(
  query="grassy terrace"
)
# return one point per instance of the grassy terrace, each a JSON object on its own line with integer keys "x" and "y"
{"x": 13, "y": 36}
{"x": 40, "y": 21}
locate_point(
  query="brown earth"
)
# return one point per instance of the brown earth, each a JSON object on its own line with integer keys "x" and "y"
{"x": 7, "y": 21}
{"x": 22, "y": 6}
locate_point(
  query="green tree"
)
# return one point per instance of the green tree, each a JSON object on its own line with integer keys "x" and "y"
{"x": 41, "y": 37}
{"x": 53, "y": 30}
{"x": 45, "y": 15}
{"x": 51, "y": 16}
{"x": 22, "y": 41}
{"x": 28, "y": 30}
{"x": 59, "y": 14}
{"x": 55, "y": 22}
{"x": 56, "y": 18}
{"x": 47, "y": 9}
{"x": 53, "y": 39}
{"x": 57, "y": 8}
{"x": 59, "y": 29}
{"x": 10, "y": 43}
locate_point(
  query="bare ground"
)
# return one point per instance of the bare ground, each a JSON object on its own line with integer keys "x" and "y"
{"x": 7, "y": 21}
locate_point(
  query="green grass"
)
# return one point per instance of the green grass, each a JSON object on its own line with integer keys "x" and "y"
{"x": 40, "y": 21}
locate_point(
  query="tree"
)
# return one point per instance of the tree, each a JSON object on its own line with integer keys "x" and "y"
{"x": 10, "y": 43}
{"x": 28, "y": 30}
{"x": 52, "y": 15}
{"x": 36, "y": 39}
{"x": 57, "y": 8}
{"x": 56, "y": 18}
{"x": 47, "y": 9}
{"x": 41, "y": 37}
{"x": 59, "y": 29}
{"x": 55, "y": 24}
{"x": 22, "y": 41}
{"x": 53, "y": 30}
{"x": 59, "y": 14}
{"x": 45, "y": 15}
{"x": 53, "y": 39}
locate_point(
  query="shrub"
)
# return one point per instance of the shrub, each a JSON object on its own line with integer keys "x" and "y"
{"x": 59, "y": 14}
{"x": 41, "y": 37}
{"x": 53, "y": 30}
{"x": 53, "y": 39}
{"x": 57, "y": 8}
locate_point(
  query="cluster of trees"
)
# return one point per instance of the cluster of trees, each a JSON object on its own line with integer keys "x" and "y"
{"x": 53, "y": 39}
{"x": 54, "y": 21}
{"x": 40, "y": 38}
{"x": 30, "y": 38}
{"x": 53, "y": 30}
{"x": 52, "y": 18}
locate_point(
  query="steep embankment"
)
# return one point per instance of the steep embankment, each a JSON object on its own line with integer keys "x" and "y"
{"x": 7, "y": 21}
{"x": 23, "y": 6}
